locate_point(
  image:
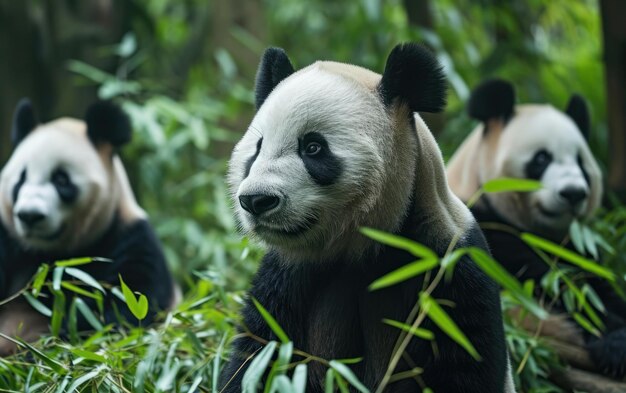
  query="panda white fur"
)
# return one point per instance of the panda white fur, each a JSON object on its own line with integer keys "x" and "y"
{"x": 64, "y": 194}
{"x": 542, "y": 143}
{"x": 334, "y": 147}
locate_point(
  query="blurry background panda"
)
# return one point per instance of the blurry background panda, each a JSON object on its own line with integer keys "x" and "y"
{"x": 334, "y": 147}
{"x": 64, "y": 194}
{"x": 541, "y": 143}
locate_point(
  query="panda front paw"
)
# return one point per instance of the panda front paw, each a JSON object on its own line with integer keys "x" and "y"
{"x": 609, "y": 353}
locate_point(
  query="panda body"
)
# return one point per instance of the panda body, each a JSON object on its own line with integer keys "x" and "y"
{"x": 541, "y": 143}
{"x": 64, "y": 194}
{"x": 334, "y": 147}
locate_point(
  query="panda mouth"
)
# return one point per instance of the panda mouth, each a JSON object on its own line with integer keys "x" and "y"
{"x": 45, "y": 237}
{"x": 291, "y": 231}
{"x": 549, "y": 213}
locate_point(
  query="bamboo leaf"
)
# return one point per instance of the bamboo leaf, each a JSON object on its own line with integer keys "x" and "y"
{"x": 446, "y": 324}
{"x": 37, "y": 305}
{"x": 567, "y": 255}
{"x": 400, "y": 242}
{"x": 255, "y": 371}
{"x": 40, "y": 278}
{"x": 494, "y": 270}
{"x": 138, "y": 307}
{"x": 509, "y": 184}
{"x": 84, "y": 277}
{"x": 271, "y": 322}
{"x": 404, "y": 273}
{"x": 345, "y": 372}
{"x": 418, "y": 332}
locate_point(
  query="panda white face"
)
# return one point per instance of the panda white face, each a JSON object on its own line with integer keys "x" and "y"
{"x": 541, "y": 143}
{"x": 310, "y": 160}
{"x": 528, "y": 141}
{"x": 53, "y": 185}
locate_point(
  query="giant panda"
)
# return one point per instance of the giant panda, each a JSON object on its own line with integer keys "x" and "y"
{"x": 332, "y": 148}
{"x": 542, "y": 143}
{"x": 64, "y": 194}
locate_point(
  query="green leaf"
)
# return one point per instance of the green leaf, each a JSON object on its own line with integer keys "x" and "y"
{"x": 80, "y": 261}
{"x": 345, "y": 372}
{"x": 509, "y": 184}
{"x": 582, "y": 321}
{"x": 57, "y": 277}
{"x": 59, "y": 368}
{"x": 404, "y": 273}
{"x": 593, "y": 297}
{"x": 419, "y": 332}
{"x": 88, "y": 314}
{"x": 280, "y": 384}
{"x": 37, "y": 305}
{"x": 87, "y": 355}
{"x": 83, "y": 379}
{"x": 576, "y": 234}
{"x": 255, "y": 371}
{"x": 400, "y": 242}
{"x": 84, "y": 277}
{"x": 329, "y": 381}
{"x": 589, "y": 238}
{"x": 80, "y": 291}
{"x": 299, "y": 378}
{"x": 494, "y": 270}
{"x": 139, "y": 308}
{"x": 567, "y": 255}
{"x": 446, "y": 324}
{"x": 271, "y": 322}
{"x": 281, "y": 363}
{"x": 40, "y": 278}
{"x": 58, "y": 312}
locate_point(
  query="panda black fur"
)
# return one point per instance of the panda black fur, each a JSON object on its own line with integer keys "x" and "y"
{"x": 542, "y": 143}
{"x": 64, "y": 194}
{"x": 334, "y": 147}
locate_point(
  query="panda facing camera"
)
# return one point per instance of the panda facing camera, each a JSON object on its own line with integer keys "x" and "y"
{"x": 541, "y": 143}
{"x": 332, "y": 148}
{"x": 529, "y": 141}
{"x": 64, "y": 194}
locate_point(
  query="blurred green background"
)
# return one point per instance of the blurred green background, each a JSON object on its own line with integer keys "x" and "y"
{"x": 184, "y": 70}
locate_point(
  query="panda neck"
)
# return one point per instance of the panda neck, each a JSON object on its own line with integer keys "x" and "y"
{"x": 440, "y": 216}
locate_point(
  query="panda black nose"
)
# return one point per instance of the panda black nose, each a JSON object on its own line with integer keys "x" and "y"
{"x": 574, "y": 195}
{"x": 258, "y": 203}
{"x": 30, "y": 218}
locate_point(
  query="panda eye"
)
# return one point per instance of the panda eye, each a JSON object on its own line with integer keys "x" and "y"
{"x": 312, "y": 149}
{"x": 538, "y": 164}
{"x": 60, "y": 178}
{"x": 542, "y": 158}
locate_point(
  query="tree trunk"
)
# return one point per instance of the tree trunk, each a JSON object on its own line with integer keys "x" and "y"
{"x": 614, "y": 28}
{"x": 37, "y": 39}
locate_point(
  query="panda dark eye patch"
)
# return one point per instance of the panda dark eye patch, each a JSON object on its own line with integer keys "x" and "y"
{"x": 579, "y": 159}
{"x": 68, "y": 192}
{"x": 251, "y": 160}
{"x": 319, "y": 161}
{"x": 18, "y": 185}
{"x": 538, "y": 164}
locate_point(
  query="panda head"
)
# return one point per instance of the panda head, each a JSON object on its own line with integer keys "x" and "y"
{"x": 332, "y": 147}
{"x": 535, "y": 142}
{"x": 62, "y": 185}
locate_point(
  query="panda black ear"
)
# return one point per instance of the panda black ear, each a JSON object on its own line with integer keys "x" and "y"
{"x": 108, "y": 123}
{"x": 492, "y": 99}
{"x": 24, "y": 121}
{"x": 413, "y": 76}
{"x": 578, "y": 110}
{"x": 274, "y": 67}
